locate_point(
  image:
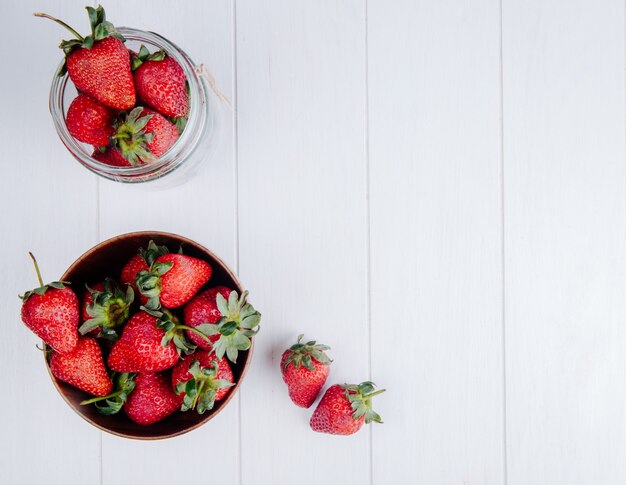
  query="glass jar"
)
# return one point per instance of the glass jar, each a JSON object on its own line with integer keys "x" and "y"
{"x": 194, "y": 145}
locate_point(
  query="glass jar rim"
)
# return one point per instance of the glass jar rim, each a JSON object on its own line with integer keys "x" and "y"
{"x": 184, "y": 145}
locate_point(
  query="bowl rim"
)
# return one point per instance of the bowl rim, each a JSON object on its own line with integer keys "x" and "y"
{"x": 210, "y": 415}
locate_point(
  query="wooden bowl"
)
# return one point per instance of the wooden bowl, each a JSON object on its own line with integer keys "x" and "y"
{"x": 107, "y": 259}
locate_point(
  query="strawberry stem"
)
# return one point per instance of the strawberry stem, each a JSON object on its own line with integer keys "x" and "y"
{"x": 36, "y": 268}
{"x": 380, "y": 391}
{"x": 60, "y": 22}
{"x": 191, "y": 329}
{"x": 97, "y": 399}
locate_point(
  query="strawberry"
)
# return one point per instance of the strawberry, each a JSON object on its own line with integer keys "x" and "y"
{"x": 144, "y": 135}
{"x": 111, "y": 157}
{"x": 139, "y": 347}
{"x": 124, "y": 386}
{"x": 105, "y": 309}
{"x": 344, "y": 409}
{"x": 152, "y": 399}
{"x": 160, "y": 83}
{"x": 239, "y": 321}
{"x": 173, "y": 280}
{"x": 135, "y": 265}
{"x": 201, "y": 379}
{"x": 99, "y": 64}
{"x": 203, "y": 309}
{"x": 141, "y": 262}
{"x": 51, "y": 312}
{"x": 83, "y": 368}
{"x": 305, "y": 368}
{"x": 89, "y": 121}
{"x": 87, "y": 299}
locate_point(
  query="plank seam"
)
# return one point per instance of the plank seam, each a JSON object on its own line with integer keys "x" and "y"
{"x": 368, "y": 251}
{"x": 503, "y": 256}
{"x": 236, "y": 203}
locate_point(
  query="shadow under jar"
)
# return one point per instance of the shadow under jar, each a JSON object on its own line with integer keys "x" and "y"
{"x": 108, "y": 259}
{"x": 192, "y": 148}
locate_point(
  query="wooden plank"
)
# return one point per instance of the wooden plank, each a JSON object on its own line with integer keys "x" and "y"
{"x": 301, "y": 108}
{"x": 44, "y": 192}
{"x": 565, "y": 239}
{"x": 436, "y": 275}
{"x": 202, "y": 209}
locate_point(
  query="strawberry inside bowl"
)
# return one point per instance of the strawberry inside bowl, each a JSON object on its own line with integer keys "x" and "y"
{"x": 162, "y": 375}
{"x": 159, "y": 117}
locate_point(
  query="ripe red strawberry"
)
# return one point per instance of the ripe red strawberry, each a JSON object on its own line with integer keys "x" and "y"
{"x": 305, "y": 368}
{"x": 141, "y": 262}
{"x": 239, "y": 322}
{"x": 344, "y": 409}
{"x": 161, "y": 83}
{"x": 203, "y": 309}
{"x": 173, "y": 280}
{"x": 152, "y": 399}
{"x": 105, "y": 309}
{"x": 164, "y": 133}
{"x": 83, "y": 368}
{"x": 139, "y": 347}
{"x": 51, "y": 312}
{"x": 89, "y": 121}
{"x": 113, "y": 402}
{"x": 202, "y": 379}
{"x": 88, "y": 299}
{"x": 131, "y": 269}
{"x": 112, "y": 157}
{"x": 99, "y": 64}
{"x": 144, "y": 135}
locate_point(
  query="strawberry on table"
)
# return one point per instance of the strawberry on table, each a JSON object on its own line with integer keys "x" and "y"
{"x": 152, "y": 399}
{"x": 344, "y": 409}
{"x": 160, "y": 83}
{"x": 203, "y": 309}
{"x": 51, "y": 312}
{"x": 83, "y": 368}
{"x": 305, "y": 367}
{"x": 89, "y": 121}
{"x": 106, "y": 308}
{"x": 99, "y": 64}
{"x": 144, "y": 135}
{"x": 202, "y": 379}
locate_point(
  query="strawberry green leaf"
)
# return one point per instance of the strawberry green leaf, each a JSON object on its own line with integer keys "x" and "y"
{"x": 207, "y": 329}
{"x": 174, "y": 330}
{"x": 360, "y": 398}
{"x": 112, "y": 404}
{"x": 153, "y": 252}
{"x": 228, "y": 328}
{"x": 221, "y": 304}
{"x": 303, "y": 354}
{"x": 143, "y": 53}
{"x": 200, "y": 389}
{"x": 109, "y": 309}
{"x": 235, "y": 329}
{"x": 180, "y": 123}
{"x": 59, "y": 285}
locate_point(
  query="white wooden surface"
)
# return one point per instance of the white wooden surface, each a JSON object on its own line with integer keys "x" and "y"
{"x": 435, "y": 189}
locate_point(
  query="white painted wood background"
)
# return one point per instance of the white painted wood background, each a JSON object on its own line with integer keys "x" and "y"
{"x": 435, "y": 189}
